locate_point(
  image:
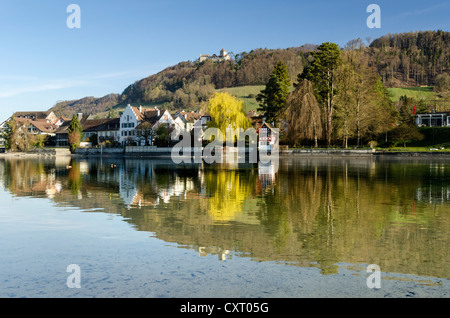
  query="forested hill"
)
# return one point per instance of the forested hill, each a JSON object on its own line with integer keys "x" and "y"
{"x": 411, "y": 59}
{"x": 402, "y": 60}
{"x": 87, "y": 105}
{"x": 190, "y": 83}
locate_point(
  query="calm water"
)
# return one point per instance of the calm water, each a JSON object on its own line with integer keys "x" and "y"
{"x": 149, "y": 228}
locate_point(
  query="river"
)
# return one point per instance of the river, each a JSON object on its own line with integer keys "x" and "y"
{"x": 307, "y": 227}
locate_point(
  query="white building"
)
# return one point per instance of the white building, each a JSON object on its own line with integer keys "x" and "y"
{"x": 433, "y": 120}
{"x": 215, "y": 58}
{"x": 130, "y": 119}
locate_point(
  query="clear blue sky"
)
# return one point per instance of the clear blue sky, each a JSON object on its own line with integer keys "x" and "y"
{"x": 42, "y": 61}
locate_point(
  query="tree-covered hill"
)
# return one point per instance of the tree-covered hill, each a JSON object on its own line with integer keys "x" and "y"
{"x": 411, "y": 59}
{"x": 86, "y": 105}
{"x": 402, "y": 60}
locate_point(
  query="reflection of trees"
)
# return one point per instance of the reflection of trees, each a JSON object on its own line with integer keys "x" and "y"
{"x": 21, "y": 176}
{"x": 315, "y": 212}
{"x": 74, "y": 178}
{"x": 227, "y": 190}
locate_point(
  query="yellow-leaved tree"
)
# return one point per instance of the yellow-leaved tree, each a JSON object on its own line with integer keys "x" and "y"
{"x": 227, "y": 111}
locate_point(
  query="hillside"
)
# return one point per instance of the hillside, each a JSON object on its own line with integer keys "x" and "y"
{"x": 87, "y": 105}
{"x": 402, "y": 60}
{"x": 411, "y": 59}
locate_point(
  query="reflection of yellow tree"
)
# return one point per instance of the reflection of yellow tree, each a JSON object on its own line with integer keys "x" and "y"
{"x": 74, "y": 178}
{"x": 228, "y": 190}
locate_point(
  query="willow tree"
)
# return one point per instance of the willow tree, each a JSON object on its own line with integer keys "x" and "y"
{"x": 303, "y": 115}
{"x": 322, "y": 72}
{"x": 227, "y": 111}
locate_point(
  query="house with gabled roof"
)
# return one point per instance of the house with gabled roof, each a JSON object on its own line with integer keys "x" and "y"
{"x": 131, "y": 118}
{"x": 36, "y": 115}
{"x": 104, "y": 129}
{"x": 267, "y": 137}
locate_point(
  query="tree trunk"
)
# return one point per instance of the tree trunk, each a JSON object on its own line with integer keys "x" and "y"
{"x": 358, "y": 124}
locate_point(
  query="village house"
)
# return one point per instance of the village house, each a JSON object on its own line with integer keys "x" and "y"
{"x": 441, "y": 119}
{"x": 48, "y": 116}
{"x": 131, "y": 118}
{"x": 267, "y": 137}
{"x": 187, "y": 120}
{"x": 36, "y": 122}
{"x": 102, "y": 129}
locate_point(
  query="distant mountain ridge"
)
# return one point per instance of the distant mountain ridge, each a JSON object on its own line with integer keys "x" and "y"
{"x": 402, "y": 60}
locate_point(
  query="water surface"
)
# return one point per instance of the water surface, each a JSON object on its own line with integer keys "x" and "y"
{"x": 149, "y": 228}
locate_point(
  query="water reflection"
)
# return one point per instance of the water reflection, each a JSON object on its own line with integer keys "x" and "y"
{"x": 306, "y": 212}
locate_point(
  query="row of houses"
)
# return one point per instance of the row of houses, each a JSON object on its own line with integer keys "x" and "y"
{"x": 126, "y": 129}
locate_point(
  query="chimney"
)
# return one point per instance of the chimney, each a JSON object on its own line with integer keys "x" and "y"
{"x": 140, "y": 108}
{"x": 79, "y": 115}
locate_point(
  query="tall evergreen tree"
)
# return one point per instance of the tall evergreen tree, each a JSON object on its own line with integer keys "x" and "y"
{"x": 75, "y": 133}
{"x": 272, "y": 99}
{"x": 321, "y": 72}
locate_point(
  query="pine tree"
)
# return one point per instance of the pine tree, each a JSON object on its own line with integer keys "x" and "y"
{"x": 322, "y": 73}
{"x": 272, "y": 99}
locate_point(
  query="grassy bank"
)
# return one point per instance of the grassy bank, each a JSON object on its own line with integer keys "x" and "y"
{"x": 417, "y": 93}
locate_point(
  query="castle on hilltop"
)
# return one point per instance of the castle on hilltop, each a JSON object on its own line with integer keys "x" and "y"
{"x": 215, "y": 58}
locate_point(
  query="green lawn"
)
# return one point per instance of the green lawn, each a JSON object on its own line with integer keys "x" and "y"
{"x": 247, "y": 94}
{"x": 418, "y": 93}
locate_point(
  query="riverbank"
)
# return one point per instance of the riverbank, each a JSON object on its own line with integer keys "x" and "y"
{"x": 147, "y": 152}
{"x": 45, "y": 152}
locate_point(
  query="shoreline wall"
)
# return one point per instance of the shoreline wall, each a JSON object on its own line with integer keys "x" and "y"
{"x": 152, "y": 151}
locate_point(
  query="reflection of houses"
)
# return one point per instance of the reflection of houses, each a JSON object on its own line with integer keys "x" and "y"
{"x": 433, "y": 119}
{"x": 135, "y": 196}
{"x": 266, "y": 174}
{"x": 433, "y": 194}
{"x": 127, "y": 187}
{"x": 178, "y": 188}
{"x": 219, "y": 251}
